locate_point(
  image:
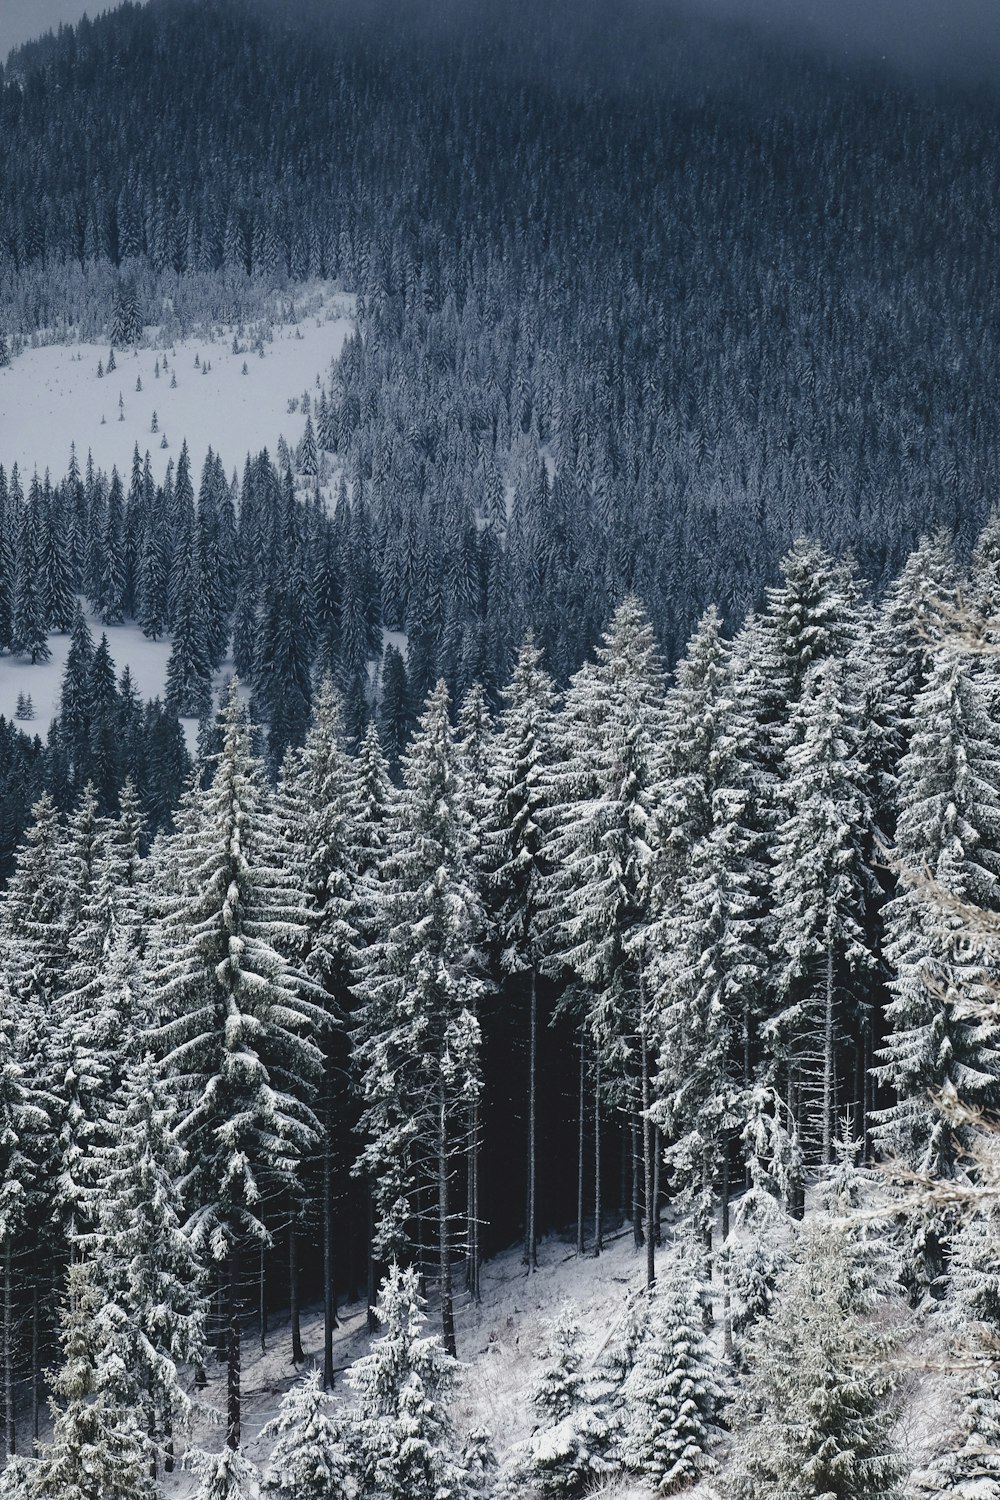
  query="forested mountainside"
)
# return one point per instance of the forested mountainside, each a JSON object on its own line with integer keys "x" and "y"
{"x": 648, "y": 312}
{"x": 599, "y": 833}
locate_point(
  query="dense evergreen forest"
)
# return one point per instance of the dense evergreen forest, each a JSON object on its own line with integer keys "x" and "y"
{"x": 600, "y": 831}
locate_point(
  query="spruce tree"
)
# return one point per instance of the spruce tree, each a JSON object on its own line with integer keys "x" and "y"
{"x": 238, "y": 1035}
{"x": 816, "y": 1415}
{"x": 309, "y": 1459}
{"x": 418, "y": 1039}
{"x": 407, "y": 1448}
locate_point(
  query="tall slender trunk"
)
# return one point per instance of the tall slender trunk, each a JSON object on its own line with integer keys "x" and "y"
{"x": 370, "y": 1267}
{"x": 35, "y": 1372}
{"x": 8, "y": 1362}
{"x": 168, "y": 1440}
{"x": 828, "y": 1061}
{"x": 329, "y": 1297}
{"x": 473, "y": 1203}
{"x": 444, "y": 1246}
{"x": 647, "y": 1164}
{"x": 233, "y": 1349}
{"x": 727, "y": 1312}
{"x": 657, "y": 1155}
{"x": 262, "y": 1298}
{"x": 598, "y": 1225}
{"x": 530, "y": 1236}
{"x": 294, "y": 1310}
{"x": 636, "y": 1208}
{"x": 580, "y": 1167}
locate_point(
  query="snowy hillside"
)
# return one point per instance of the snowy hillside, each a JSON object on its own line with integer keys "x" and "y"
{"x": 51, "y": 397}
{"x": 498, "y": 1343}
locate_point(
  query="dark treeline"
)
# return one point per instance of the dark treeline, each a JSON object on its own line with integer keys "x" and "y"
{"x": 650, "y": 311}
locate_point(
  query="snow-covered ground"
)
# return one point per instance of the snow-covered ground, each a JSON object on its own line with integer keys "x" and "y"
{"x": 51, "y": 397}
{"x": 498, "y": 1342}
{"x": 128, "y": 646}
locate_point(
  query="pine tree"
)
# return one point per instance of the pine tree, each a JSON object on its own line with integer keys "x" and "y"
{"x": 418, "y": 1047}
{"x": 823, "y": 886}
{"x": 671, "y": 1396}
{"x": 816, "y": 1413}
{"x": 513, "y": 857}
{"x": 600, "y": 899}
{"x": 96, "y": 1448}
{"x": 567, "y": 1455}
{"x": 239, "y": 1026}
{"x": 309, "y": 1459}
{"x": 146, "y": 1269}
{"x": 407, "y": 1448}
{"x": 189, "y": 671}
{"x": 230, "y": 1476}
{"x": 947, "y": 840}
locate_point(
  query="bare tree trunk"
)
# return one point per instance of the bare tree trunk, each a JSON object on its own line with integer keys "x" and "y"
{"x": 828, "y": 1061}
{"x": 35, "y": 1373}
{"x": 372, "y": 1288}
{"x": 444, "y": 1247}
{"x": 233, "y": 1350}
{"x": 636, "y": 1209}
{"x": 294, "y": 1310}
{"x": 530, "y": 1236}
{"x": 647, "y": 1164}
{"x": 262, "y": 1299}
{"x": 473, "y": 1204}
{"x": 657, "y": 1155}
{"x": 580, "y": 1232}
{"x": 598, "y": 1225}
{"x": 168, "y": 1440}
{"x": 8, "y": 1361}
{"x": 727, "y": 1312}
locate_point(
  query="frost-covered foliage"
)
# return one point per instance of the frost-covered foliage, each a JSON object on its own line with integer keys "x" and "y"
{"x": 401, "y": 1431}
{"x": 816, "y": 1414}
{"x": 671, "y": 1397}
{"x": 310, "y": 1459}
{"x": 569, "y": 1451}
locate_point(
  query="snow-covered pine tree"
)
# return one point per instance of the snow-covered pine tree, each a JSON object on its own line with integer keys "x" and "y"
{"x": 418, "y": 1038}
{"x": 600, "y": 896}
{"x": 569, "y": 1451}
{"x": 32, "y": 925}
{"x": 316, "y": 808}
{"x": 310, "y": 1458}
{"x": 947, "y": 841}
{"x": 25, "y": 1124}
{"x": 150, "y": 1280}
{"x": 816, "y": 1414}
{"x": 513, "y": 859}
{"x": 240, "y": 1019}
{"x": 708, "y": 967}
{"x": 229, "y": 1476}
{"x": 672, "y": 1394}
{"x": 96, "y": 1451}
{"x": 405, "y": 1444}
{"x": 823, "y": 889}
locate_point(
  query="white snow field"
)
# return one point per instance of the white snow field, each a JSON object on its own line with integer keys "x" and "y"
{"x": 497, "y": 1342}
{"x": 51, "y": 397}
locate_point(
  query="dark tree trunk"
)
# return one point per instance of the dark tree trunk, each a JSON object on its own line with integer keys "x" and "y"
{"x": 372, "y": 1287}
{"x": 294, "y": 1310}
{"x": 598, "y": 1226}
{"x": 530, "y": 1234}
{"x": 580, "y": 1164}
{"x": 10, "y": 1424}
{"x": 233, "y": 1350}
{"x": 647, "y": 1166}
{"x": 262, "y": 1299}
{"x": 636, "y": 1208}
{"x": 444, "y": 1245}
{"x": 35, "y": 1371}
{"x": 727, "y": 1315}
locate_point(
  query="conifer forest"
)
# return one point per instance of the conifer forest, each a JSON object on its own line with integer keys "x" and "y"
{"x": 499, "y": 857}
